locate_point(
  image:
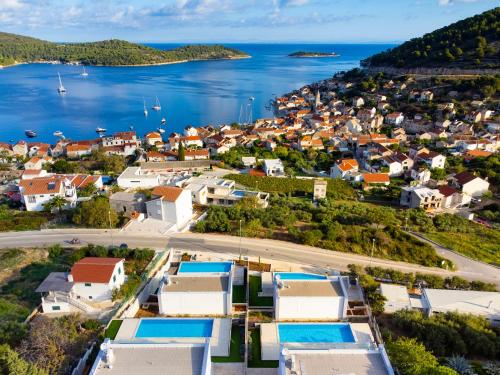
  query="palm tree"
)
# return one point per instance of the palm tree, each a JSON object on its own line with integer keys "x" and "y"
{"x": 57, "y": 202}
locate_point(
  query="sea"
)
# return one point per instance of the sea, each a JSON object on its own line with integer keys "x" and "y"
{"x": 193, "y": 93}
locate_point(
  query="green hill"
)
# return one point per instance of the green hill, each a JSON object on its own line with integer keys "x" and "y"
{"x": 17, "y": 49}
{"x": 470, "y": 43}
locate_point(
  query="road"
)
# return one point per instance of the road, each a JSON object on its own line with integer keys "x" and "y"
{"x": 266, "y": 249}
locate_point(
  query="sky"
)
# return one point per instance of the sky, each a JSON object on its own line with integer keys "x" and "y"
{"x": 234, "y": 21}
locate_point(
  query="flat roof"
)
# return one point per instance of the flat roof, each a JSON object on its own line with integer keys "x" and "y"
{"x": 311, "y": 288}
{"x": 368, "y": 363}
{"x": 154, "y": 360}
{"x": 395, "y": 293}
{"x": 55, "y": 282}
{"x": 197, "y": 284}
{"x": 465, "y": 301}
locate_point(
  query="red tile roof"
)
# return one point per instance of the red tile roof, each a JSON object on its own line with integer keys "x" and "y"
{"x": 169, "y": 193}
{"x": 94, "y": 270}
{"x": 376, "y": 178}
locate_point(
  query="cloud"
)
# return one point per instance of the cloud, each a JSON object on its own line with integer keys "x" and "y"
{"x": 451, "y": 2}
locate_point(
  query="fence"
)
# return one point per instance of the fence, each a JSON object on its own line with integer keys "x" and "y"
{"x": 78, "y": 370}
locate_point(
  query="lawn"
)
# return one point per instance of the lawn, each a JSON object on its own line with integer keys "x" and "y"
{"x": 481, "y": 244}
{"x": 255, "y": 359}
{"x": 112, "y": 329}
{"x": 239, "y": 294}
{"x": 235, "y": 351}
{"x": 255, "y": 288}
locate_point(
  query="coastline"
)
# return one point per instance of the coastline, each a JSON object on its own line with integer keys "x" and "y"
{"x": 128, "y": 66}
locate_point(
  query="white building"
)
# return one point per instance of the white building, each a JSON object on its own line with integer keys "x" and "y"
{"x": 172, "y": 204}
{"x": 198, "y": 288}
{"x": 420, "y": 197}
{"x": 432, "y": 159}
{"x": 396, "y": 297}
{"x": 135, "y": 177}
{"x": 471, "y": 185}
{"x": 313, "y": 297}
{"x": 91, "y": 280}
{"x": 36, "y": 192}
{"x": 344, "y": 168}
{"x": 395, "y": 118}
{"x": 274, "y": 167}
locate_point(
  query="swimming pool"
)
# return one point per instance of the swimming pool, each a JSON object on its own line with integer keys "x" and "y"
{"x": 315, "y": 332}
{"x": 204, "y": 267}
{"x": 299, "y": 276}
{"x": 174, "y": 328}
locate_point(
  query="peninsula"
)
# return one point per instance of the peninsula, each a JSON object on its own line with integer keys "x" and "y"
{"x": 17, "y": 49}
{"x": 313, "y": 54}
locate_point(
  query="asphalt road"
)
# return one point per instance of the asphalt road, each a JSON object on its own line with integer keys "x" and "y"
{"x": 250, "y": 247}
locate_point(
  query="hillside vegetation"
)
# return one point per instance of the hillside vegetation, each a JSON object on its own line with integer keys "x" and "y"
{"x": 469, "y": 43}
{"x": 17, "y": 49}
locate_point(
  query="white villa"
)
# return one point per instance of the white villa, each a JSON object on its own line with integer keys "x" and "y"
{"x": 36, "y": 192}
{"x": 172, "y": 204}
{"x": 274, "y": 167}
{"x": 91, "y": 280}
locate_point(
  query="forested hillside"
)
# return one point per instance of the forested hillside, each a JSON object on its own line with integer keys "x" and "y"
{"x": 17, "y": 48}
{"x": 469, "y": 43}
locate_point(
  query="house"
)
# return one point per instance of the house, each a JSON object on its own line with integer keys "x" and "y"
{"x": 353, "y": 126}
{"x": 420, "y": 197}
{"x": 75, "y": 151}
{"x": 91, "y": 280}
{"x": 358, "y": 101}
{"x": 81, "y": 181}
{"x": 121, "y": 139}
{"x": 20, "y": 149}
{"x": 452, "y": 198}
{"x": 470, "y": 184}
{"x": 420, "y": 174}
{"x": 136, "y": 177}
{"x": 249, "y": 161}
{"x": 309, "y": 297}
{"x": 198, "y": 289}
{"x": 36, "y": 192}
{"x": 171, "y": 204}
{"x": 37, "y": 162}
{"x": 396, "y": 297}
{"x": 399, "y": 134}
{"x": 320, "y": 188}
{"x": 343, "y": 168}
{"x": 274, "y": 167}
{"x": 127, "y": 203}
{"x": 190, "y": 131}
{"x": 394, "y": 165}
{"x": 395, "y": 118}
{"x": 28, "y": 174}
{"x": 152, "y": 138}
{"x": 432, "y": 159}
{"x": 371, "y": 180}
{"x": 217, "y": 191}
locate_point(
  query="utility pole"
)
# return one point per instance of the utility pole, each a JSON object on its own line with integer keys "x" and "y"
{"x": 110, "y": 230}
{"x": 240, "y": 240}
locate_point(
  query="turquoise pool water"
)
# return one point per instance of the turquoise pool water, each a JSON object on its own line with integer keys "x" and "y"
{"x": 315, "y": 332}
{"x": 204, "y": 267}
{"x": 174, "y": 328}
{"x": 299, "y": 276}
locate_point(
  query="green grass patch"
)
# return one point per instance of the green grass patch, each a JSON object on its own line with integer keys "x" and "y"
{"x": 236, "y": 348}
{"x": 255, "y": 359}
{"x": 112, "y": 329}
{"x": 255, "y": 288}
{"x": 239, "y": 294}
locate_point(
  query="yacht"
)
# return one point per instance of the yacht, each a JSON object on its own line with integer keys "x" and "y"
{"x": 30, "y": 133}
{"x": 145, "y": 109}
{"x": 58, "y": 133}
{"x": 61, "y": 89}
{"x": 157, "y": 106}
{"x": 163, "y": 121}
{"x": 100, "y": 130}
{"x": 84, "y": 74}
{"x": 161, "y": 130}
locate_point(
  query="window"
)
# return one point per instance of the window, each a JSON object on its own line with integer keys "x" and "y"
{"x": 119, "y": 270}
{"x": 90, "y": 297}
{"x": 114, "y": 278}
{"x": 56, "y": 308}
{"x": 32, "y": 199}
{"x": 88, "y": 284}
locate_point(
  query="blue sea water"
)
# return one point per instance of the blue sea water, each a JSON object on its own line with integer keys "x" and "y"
{"x": 174, "y": 328}
{"x": 195, "y": 93}
{"x": 315, "y": 332}
{"x": 204, "y": 267}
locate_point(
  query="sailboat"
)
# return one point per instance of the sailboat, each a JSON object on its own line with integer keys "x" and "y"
{"x": 60, "y": 89}
{"x": 157, "y": 106}
{"x": 84, "y": 74}
{"x": 145, "y": 109}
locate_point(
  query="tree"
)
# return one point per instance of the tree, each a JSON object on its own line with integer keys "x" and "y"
{"x": 96, "y": 213}
{"x": 181, "y": 152}
{"x": 438, "y": 174}
{"x": 88, "y": 190}
{"x": 11, "y": 363}
{"x": 56, "y": 203}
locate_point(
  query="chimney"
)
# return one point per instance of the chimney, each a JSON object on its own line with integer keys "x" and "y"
{"x": 279, "y": 282}
{"x": 70, "y": 278}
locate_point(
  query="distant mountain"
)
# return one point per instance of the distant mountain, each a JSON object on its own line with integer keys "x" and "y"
{"x": 18, "y": 49}
{"x": 467, "y": 44}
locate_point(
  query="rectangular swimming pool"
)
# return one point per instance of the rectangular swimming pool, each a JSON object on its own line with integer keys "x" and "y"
{"x": 204, "y": 267}
{"x": 177, "y": 328}
{"x": 315, "y": 332}
{"x": 299, "y": 276}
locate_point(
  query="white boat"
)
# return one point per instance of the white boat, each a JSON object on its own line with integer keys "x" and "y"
{"x": 157, "y": 106}
{"x": 84, "y": 74}
{"x": 30, "y": 133}
{"x": 145, "y": 109}
{"x": 161, "y": 130}
{"x": 58, "y": 133}
{"x": 163, "y": 121}
{"x": 61, "y": 89}
{"x": 100, "y": 130}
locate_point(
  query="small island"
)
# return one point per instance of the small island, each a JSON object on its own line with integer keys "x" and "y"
{"x": 313, "y": 54}
{"x": 18, "y": 49}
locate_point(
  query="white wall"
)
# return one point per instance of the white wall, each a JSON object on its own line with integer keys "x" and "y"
{"x": 193, "y": 303}
{"x": 289, "y": 308}
{"x": 47, "y": 307}
{"x": 100, "y": 291}
{"x": 476, "y": 188}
